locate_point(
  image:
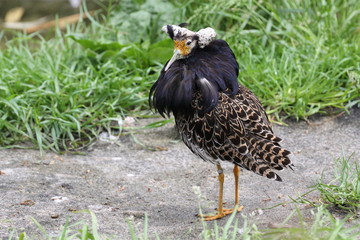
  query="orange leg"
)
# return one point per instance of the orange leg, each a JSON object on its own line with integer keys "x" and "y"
{"x": 221, "y": 212}
{"x": 236, "y": 177}
{"x": 236, "y": 171}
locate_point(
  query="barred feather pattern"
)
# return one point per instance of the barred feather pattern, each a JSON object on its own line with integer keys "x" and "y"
{"x": 236, "y": 130}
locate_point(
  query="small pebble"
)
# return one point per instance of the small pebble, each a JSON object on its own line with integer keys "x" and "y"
{"x": 257, "y": 212}
{"x": 135, "y": 214}
{"x": 66, "y": 185}
{"x": 59, "y": 199}
{"x": 54, "y": 215}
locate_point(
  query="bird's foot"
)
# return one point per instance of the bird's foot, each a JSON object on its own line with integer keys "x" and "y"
{"x": 221, "y": 214}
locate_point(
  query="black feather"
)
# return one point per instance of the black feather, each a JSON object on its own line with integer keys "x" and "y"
{"x": 170, "y": 31}
{"x": 174, "y": 90}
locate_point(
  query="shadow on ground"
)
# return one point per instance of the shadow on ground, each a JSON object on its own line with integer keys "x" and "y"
{"x": 123, "y": 180}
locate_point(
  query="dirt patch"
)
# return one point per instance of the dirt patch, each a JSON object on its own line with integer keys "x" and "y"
{"x": 123, "y": 180}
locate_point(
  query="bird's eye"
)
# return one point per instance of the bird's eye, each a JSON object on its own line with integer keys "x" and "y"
{"x": 188, "y": 43}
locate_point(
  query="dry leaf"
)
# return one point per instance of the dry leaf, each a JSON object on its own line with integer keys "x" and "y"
{"x": 14, "y": 14}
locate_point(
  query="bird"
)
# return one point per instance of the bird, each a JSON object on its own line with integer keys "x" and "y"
{"x": 217, "y": 118}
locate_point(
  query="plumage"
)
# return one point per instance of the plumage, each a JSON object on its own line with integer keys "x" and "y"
{"x": 218, "y": 119}
{"x": 234, "y": 131}
{"x": 174, "y": 89}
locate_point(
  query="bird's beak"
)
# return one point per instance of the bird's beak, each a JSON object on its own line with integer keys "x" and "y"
{"x": 175, "y": 57}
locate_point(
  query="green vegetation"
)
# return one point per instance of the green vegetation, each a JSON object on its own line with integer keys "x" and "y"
{"x": 323, "y": 226}
{"x": 344, "y": 190}
{"x": 299, "y": 57}
{"x": 60, "y": 93}
{"x": 78, "y": 230}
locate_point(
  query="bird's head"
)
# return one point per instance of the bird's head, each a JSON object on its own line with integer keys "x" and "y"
{"x": 185, "y": 41}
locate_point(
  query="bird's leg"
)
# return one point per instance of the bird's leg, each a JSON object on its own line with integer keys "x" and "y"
{"x": 221, "y": 178}
{"x": 236, "y": 172}
{"x": 221, "y": 212}
{"x": 236, "y": 177}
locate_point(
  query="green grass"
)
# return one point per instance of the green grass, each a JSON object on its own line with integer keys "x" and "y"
{"x": 60, "y": 92}
{"x": 78, "y": 230}
{"x": 343, "y": 191}
{"x": 60, "y": 98}
{"x": 299, "y": 57}
{"x": 322, "y": 226}
{"x": 340, "y": 193}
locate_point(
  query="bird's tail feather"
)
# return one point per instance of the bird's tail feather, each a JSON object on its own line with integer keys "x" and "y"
{"x": 263, "y": 158}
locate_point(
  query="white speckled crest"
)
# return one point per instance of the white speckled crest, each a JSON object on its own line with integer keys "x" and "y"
{"x": 178, "y": 29}
{"x": 206, "y": 35}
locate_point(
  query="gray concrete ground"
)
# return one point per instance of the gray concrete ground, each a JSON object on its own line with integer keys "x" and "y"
{"x": 125, "y": 181}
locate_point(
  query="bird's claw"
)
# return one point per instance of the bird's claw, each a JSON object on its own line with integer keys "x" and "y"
{"x": 220, "y": 214}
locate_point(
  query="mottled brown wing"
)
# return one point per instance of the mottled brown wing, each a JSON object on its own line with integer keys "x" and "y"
{"x": 236, "y": 130}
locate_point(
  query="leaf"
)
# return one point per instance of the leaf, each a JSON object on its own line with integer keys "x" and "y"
{"x": 134, "y": 27}
{"x": 158, "y": 123}
{"x": 159, "y": 54}
{"x": 97, "y": 46}
{"x": 160, "y": 51}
